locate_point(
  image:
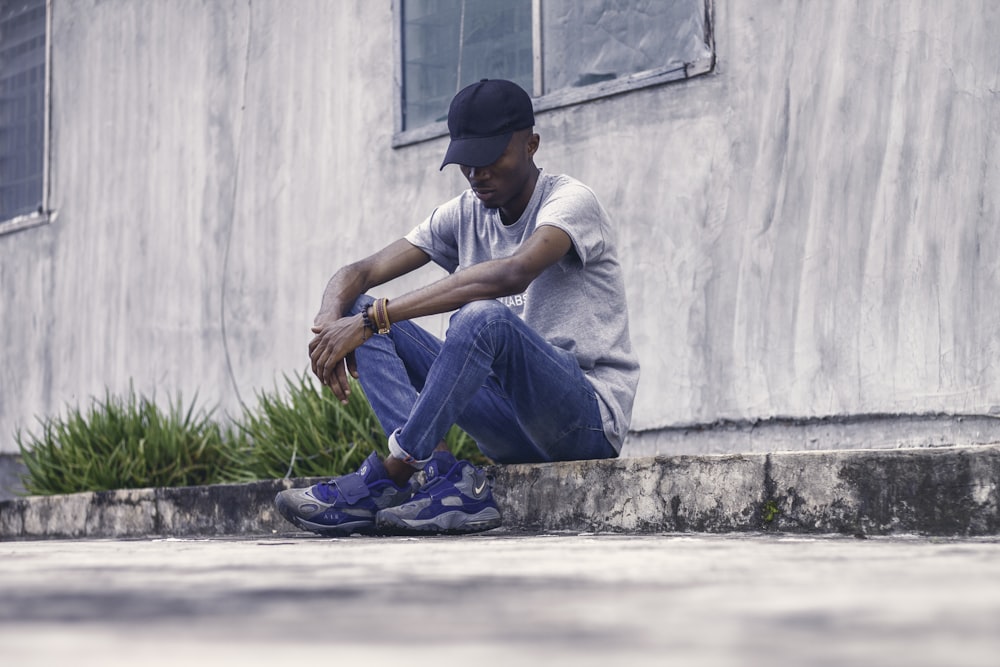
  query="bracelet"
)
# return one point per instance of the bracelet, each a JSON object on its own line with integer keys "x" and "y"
{"x": 367, "y": 325}
{"x": 380, "y": 313}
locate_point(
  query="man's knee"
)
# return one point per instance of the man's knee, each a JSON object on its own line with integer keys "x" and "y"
{"x": 360, "y": 304}
{"x": 477, "y": 314}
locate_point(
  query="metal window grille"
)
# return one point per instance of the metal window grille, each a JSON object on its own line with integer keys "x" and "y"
{"x": 22, "y": 106}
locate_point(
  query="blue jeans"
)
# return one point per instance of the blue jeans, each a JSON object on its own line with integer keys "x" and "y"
{"x": 521, "y": 399}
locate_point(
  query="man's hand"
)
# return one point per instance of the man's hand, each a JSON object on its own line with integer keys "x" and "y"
{"x": 332, "y": 352}
{"x": 336, "y": 336}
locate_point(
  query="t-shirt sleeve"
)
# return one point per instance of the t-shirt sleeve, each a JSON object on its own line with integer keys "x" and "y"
{"x": 575, "y": 209}
{"x": 437, "y": 235}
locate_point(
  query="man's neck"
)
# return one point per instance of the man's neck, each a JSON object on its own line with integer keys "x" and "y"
{"x": 512, "y": 213}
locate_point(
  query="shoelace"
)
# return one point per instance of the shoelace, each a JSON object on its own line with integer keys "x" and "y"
{"x": 437, "y": 481}
{"x": 326, "y": 491}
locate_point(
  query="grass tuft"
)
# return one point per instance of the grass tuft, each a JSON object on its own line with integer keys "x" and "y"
{"x": 122, "y": 442}
{"x": 306, "y": 431}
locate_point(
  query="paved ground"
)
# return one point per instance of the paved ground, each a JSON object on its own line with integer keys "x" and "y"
{"x": 502, "y": 599}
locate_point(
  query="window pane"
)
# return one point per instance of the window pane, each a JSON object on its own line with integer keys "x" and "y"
{"x": 22, "y": 97}
{"x": 448, "y": 44}
{"x": 588, "y": 41}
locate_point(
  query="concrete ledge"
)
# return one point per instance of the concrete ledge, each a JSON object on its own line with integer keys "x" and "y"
{"x": 938, "y": 491}
{"x": 859, "y": 431}
{"x": 230, "y": 509}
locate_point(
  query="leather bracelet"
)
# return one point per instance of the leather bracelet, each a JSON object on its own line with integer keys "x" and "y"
{"x": 380, "y": 313}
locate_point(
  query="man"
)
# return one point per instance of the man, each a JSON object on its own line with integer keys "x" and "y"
{"x": 536, "y": 364}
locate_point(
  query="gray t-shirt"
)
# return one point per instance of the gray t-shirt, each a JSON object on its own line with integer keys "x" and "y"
{"x": 578, "y": 304}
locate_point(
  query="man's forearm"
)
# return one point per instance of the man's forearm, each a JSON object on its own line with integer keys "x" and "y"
{"x": 350, "y": 282}
{"x": 344, "y": 287}
{"x": 488, "y": 280}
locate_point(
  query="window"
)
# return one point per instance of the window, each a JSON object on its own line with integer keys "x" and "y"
{"x": 23, "y": 50}
{"x": 450, "y": 41}
{"x": 561, "y": 51}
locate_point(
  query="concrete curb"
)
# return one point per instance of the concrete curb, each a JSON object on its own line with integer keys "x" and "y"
{"x": 938, "y": 491}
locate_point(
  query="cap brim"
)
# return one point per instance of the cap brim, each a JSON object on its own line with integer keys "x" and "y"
{"x": 477, "y": 152}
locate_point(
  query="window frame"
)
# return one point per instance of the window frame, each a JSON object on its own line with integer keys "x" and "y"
{"x": 561, "y": 98}
{"x": 44, "y": 215}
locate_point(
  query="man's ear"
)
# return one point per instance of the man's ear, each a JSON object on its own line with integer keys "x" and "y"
{"x": 533, "y": 142}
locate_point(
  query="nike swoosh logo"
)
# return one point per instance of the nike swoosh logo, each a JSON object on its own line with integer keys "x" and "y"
{"x": 479, "y": 488}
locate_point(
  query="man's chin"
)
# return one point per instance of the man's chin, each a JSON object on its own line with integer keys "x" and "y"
{"x": 488, "y": 199}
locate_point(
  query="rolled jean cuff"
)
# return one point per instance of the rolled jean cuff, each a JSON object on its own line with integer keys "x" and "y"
{"x": 399, "y": 453}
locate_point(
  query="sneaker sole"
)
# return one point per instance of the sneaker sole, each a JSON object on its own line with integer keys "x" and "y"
{"x": 364, "y": 526}
{"x": 448, "y": 523}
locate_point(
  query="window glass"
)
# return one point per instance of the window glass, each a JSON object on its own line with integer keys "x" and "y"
{"x": 590, "y": 41}
{"x": 448, "y": 44}
{"x": 22, "y": 106}
{"x": 561, "y": 51}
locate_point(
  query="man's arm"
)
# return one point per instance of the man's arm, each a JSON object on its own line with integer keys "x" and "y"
{"x": 488, "y": 280}
{"x": 334, "y": 342}
{"x": 337, "y": 337}
{"x": 347, "y": 284}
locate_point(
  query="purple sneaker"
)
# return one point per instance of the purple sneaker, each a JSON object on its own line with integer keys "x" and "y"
{"x": 344, "y": 505}
{"x": 456, "y": 498}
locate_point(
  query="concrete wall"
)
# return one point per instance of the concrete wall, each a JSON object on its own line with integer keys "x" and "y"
{"x": 809, "y": 232}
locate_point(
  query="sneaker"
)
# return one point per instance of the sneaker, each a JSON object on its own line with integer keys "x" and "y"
{"x": 344, "y": 505}
{"x": 456, "y": 498}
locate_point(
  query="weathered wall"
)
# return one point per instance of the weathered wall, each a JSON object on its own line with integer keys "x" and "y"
{"x": 810, "y": 231}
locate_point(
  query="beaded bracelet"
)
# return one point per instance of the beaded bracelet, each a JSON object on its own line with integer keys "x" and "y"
{"x": 367, "y": 324}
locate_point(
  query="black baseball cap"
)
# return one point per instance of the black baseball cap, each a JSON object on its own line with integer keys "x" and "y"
{"x": 481, "y": 120}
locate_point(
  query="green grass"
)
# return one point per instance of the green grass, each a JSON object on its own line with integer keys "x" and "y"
{"x": 306, "y": 431}
{"x": 300, "y": 430}
{"x": 123, "y": 442}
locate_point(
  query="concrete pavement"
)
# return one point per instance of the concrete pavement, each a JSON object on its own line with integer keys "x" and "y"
{"x": 740, "y": 600}
{"x": 598, "y": 563}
